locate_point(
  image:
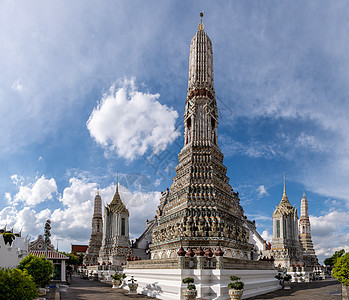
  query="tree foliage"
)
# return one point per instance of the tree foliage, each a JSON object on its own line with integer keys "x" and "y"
{"x": 341, "y": 269}
{"x": 39, "y": 268}
{"x": 16, "y": 284}
{"x": 330, "y": 261}
{"x": 73, "y": 259}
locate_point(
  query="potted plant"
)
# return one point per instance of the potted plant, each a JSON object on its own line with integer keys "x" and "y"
{"x": 132, "y": 286}
{"x": 190, "y": 293}
{"x": 287, "y": 282}
{"x": 90, "y": 277}
{"x": 236, "y": 288}
{"x": 117, "y": 279}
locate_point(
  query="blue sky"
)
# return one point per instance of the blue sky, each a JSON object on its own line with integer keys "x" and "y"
{"x": 88, "y": 89}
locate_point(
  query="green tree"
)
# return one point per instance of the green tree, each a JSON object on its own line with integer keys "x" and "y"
{"x": 39, "y": 268}
{"x": 341, "y": 269}
{"x": 73, "y": 259}
{"x": 330, "y": 261}
{"x": 16, "y": 284}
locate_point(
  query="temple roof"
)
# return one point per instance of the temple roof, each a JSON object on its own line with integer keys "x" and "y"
{"x": 116, "y": 205}
{"x": 284, "y": 207}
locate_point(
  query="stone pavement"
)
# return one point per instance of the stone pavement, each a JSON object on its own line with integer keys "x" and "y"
{"x": 83, "y": 289}
{"x": 329, "y": 289}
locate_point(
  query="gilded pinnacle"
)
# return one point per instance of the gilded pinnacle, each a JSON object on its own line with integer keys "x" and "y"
{"x": 201, "y": 25}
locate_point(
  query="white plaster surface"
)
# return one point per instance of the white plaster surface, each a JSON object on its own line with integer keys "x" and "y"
{"x": 210, "y": 284}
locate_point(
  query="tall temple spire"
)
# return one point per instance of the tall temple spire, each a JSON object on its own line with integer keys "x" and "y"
{"x": 96, "y": 232}
{"x": 201, "y": 207}
{"x": 305, "y": 234}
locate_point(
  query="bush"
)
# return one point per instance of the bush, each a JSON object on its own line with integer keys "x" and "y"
{"x": 16, "y": 285}
{"x": 39, "y": 268}
{"x": 188, "y": 281}
{"x": 341, "y": 269}
{"x": 236, "y": 284}
{"x": 118, "y": 276}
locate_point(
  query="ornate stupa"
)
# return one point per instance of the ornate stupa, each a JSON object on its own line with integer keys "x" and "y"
{"x": 200, "y": 208}
{"x": 200, "y": 229}
{"x": 286, "y": 247}
{"x": 95, "y": 242}
{"x": 309, "y": 255}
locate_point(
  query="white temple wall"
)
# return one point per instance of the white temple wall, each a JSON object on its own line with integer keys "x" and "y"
{"x": 10, "y": 256}
{"x": 210, "y": 284}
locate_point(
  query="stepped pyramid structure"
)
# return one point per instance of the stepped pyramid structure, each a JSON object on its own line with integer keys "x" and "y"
{"x": 116, "y": 244}
{"x": 200, "y": 209}
{"x": 286, "y": 247}
{"x": 95, "y": 242}
{"x": 309, "y": 255}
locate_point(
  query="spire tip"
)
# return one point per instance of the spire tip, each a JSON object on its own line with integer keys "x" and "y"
{"x": 201, "y": 25}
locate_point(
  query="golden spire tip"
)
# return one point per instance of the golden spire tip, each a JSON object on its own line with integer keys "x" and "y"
{"x": 201, "y": 25}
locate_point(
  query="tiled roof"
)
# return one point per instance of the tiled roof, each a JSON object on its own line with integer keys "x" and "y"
{"x": 116, "y": 205}
{"x": 50, "y": 254}
{"x": 79, "y": 248}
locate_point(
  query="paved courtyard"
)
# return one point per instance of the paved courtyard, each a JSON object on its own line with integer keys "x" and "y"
{"x": 82, "y": 289}
{"x": 329, "y": 289}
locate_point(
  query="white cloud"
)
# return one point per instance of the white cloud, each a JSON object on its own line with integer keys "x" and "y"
{"x": 330, "y": 233}
{"x": 267, "y": 236}
{"x": 17, "y": 85}
{"x": 16, "y": 179}
{"x": 130, "y": 122}
{"x": 35, "y": 193}
{"x": 25, "y": 219}
{"x": 71, "y": 223}
{"x": 8, "y": 197}
{"x": 262, "y": 191}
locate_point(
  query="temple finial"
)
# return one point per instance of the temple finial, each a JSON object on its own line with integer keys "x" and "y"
{"x": 97, "y": 190}
{"x": 201, "y": 25}
{"x": 117, "y": 180}
{"x": 284, "y": 184}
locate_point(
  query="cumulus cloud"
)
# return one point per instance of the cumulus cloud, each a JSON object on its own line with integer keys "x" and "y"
{"x": 71, "y": 223}
{"x": 34, "y": 193}
{"x": 330, "y": 233}
{"x": 26, "y": 219}
{"x": 267, "y": 236}
{"x": 131, "y": 122}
